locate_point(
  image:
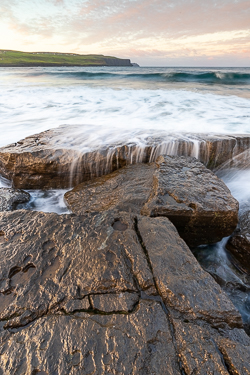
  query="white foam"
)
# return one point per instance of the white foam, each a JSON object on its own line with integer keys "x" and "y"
{"x": 46, "y": 201}
{"x": 238, "y": 181}
{"x": 113, "y": 114}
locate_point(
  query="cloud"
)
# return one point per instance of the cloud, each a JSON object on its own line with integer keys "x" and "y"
{"x": 153, "y": 27}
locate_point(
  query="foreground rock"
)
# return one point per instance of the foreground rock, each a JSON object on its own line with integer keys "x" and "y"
{"x": 182, "y": 189}
{"x": 239, "y": 243}
{"x": 110, "y": 293}
{"x": 60, "y": 158}
{"x": 10, "y": 198}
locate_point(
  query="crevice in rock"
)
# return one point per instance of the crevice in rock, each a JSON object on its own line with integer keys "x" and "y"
{"x": 13, "y": 271}
{"x": 129, "y": 264}
{"x": 111, "y": 292}
{"x": 56, "y": 308}
{"x": 222, "y": 358}
{"x": 180, "y": 201}
{"x": 91, "y": 311}
{"x": 138, "y": 234}
{"x": 159, "y": 297}
{"x": 95, "y": 311}
{"x": 90, "y": 302}
{"x": 226, "y": 361}
{"x": 228, "y": 367}
{"x": 7, "y": 291}
{"x": 28, "y": 266}
{"x": 20, "y": 328}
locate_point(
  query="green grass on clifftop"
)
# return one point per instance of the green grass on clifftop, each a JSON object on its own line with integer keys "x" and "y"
{"x": 16, "y": 58}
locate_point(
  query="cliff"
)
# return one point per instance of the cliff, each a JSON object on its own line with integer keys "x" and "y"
{"x": 28, "y": 59}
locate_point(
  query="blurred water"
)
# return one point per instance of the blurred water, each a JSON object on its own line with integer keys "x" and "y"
{"x": 122, "y": 100}
{"x": 215, "y": 258}
{"x": 46, "y": 201}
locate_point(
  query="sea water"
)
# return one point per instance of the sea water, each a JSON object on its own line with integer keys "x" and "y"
{"x": 128, "y": 101}
{"x": 120, "y": 104}
{"x": 129, "y": 104}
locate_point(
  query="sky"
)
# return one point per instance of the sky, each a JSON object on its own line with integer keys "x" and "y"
{"x": 149, "y": 32}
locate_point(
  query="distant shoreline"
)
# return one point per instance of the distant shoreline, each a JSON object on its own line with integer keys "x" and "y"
{"x": 55, "y": 65}
{"x": 18, "y": 59}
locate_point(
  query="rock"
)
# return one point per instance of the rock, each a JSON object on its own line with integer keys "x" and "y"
{"x": 68, "y": 155}
{"x": 237, "y": 162}
{"x": 180, "y": 281}
{"x": 34, "y": 163}
{"x": 239, "y": 243}
{"x": 182, "y": 189}
{"x": 220, "y": 355}
{"x": 137, "y": 343}
{"x": 109, "y": 61}
{"x": 110, "y": 292}
{"x": 235, "y": 352}
{"x": 75, "y": 305}
{"x": 10, "y": 198}
{"x": 127, "y": 189}
{"x": 123, "y": 302}
{"x": 48, "y": 260}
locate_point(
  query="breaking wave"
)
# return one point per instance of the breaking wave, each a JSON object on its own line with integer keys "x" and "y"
{"x": 210, "y": 77}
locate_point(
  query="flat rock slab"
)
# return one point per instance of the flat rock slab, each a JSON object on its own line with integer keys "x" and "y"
{"x": 224, "y": 353}
{"x": 107, "y": 293}
{"x": 239, "y": 243}
{"x": 48, "y": 260}
{"x": 182, "y": 189}
{"x": 181, "y": 282}
{"x": 69, "y": 155}
{"x": 137, "y": 343}
{"x": 10, "y": 198}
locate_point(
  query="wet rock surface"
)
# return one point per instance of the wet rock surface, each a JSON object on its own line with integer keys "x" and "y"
{"x": 10, "y": 198}
{"x": 123, "y": 302}
{"x": 60, "y": 158}
{"x": 182, "y": 189}
{"x": 182, "y": 283}
{"x": 110, "y": 292}
{"x": 60, "y": 258}
{"x": 113, "y": 288}
{"x": 239, "y": 243}
{"x": 36, "y": 162}
{"x": 138, "y": 343}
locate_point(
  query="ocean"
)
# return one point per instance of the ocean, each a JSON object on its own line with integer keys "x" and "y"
{"x": 120, "y": 105}
{"x": 113, "y": 103}
{"x": 124, "y": 105}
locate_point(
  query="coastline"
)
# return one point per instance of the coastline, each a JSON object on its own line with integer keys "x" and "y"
{"x": 30, "y": 59}
{"x": 30, "y": 65}
{"x": 106, "y": 278}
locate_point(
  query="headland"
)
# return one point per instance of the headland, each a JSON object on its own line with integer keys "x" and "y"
{"x": 10, "y": 58}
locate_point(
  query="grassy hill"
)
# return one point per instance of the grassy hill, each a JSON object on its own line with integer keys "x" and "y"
{"x": 17, "y": 58}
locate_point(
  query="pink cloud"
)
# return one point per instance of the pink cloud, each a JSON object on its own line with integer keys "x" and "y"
{"x": 121, "y": 26}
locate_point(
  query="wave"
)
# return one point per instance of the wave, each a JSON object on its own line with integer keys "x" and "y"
{"x": 224, "y": 78}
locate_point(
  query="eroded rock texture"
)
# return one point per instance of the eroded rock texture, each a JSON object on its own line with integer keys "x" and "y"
{"x": 60, "y": 158}
{"x": 239, "y": 243}
{"x": 182, "y": 189}
{"x": 10, "y": 198}
{"x": 110, "y": 293}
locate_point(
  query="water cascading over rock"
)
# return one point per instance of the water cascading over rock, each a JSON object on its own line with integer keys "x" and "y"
{"x": 65, "y": 157}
